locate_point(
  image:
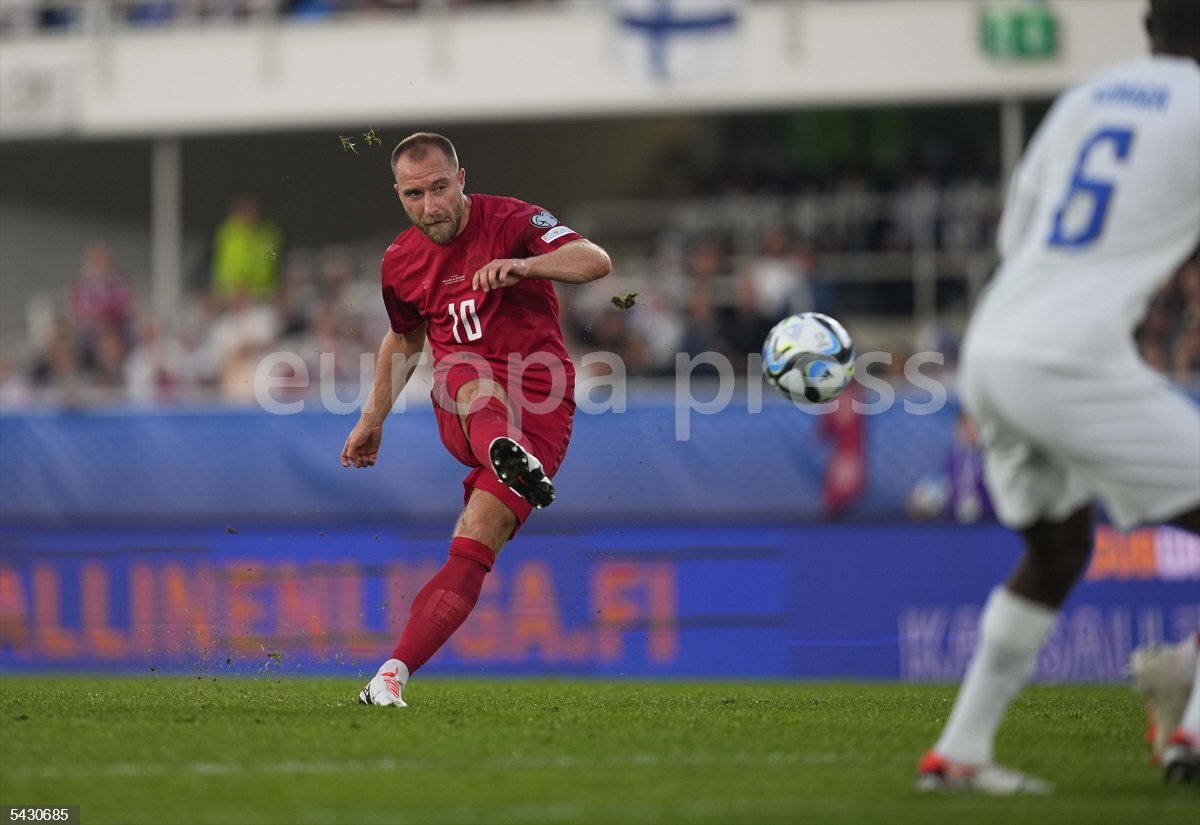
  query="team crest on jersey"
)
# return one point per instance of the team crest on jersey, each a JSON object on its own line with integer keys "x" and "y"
{"x": 543, "y": 220}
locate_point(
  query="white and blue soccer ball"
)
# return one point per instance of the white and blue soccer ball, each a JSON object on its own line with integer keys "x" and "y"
{"x": 808, "y": 357}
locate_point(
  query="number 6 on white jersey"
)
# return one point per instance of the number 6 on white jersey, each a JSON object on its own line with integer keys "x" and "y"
{"x": 470, "y": 321}
{"x": 1098, "y": 190}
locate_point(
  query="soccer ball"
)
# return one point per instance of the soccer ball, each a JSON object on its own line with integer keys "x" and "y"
{"x": 808, "y": 357}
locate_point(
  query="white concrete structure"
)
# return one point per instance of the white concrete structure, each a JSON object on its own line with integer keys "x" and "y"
{"x": 489, "y": 64}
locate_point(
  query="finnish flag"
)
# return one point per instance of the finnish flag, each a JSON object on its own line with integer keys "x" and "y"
{"x": 678, "y": 40}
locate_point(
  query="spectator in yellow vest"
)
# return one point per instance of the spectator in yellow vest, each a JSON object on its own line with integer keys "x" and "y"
{"x": 246, "y": 251}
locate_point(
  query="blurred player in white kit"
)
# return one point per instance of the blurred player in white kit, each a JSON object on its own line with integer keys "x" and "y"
{"x": 1103, "y": 209}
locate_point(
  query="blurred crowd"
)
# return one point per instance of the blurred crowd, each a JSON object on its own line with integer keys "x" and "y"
{"x": 692, "y": 296}
{"x": 704, "y": 283}
{"x": 757, "y": 236}
{"x": 48, "y": 16}
{"x": 1169, "y": 337}
{"x": 99, "y": 343}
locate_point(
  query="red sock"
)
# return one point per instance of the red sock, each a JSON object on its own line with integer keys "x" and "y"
{"x": 487, "y": 424}
{"x": 444, "y": 602}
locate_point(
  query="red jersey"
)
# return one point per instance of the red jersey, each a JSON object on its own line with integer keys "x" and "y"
{"x": 429, "y": 282}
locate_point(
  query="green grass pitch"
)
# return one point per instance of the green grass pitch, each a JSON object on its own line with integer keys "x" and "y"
{"x": 295, "y": 750}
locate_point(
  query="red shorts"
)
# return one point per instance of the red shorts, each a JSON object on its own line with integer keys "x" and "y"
{"x": 546, "y": 435}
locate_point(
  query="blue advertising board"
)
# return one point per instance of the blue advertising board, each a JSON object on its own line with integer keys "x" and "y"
{"x": 871, "y": 601}
{"x": 653, "y": 461}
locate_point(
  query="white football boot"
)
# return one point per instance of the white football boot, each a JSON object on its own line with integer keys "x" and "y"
{"x": 936, "y": 774}
{"x": 385, "y": 686}
{"x": 1163, "y": 675}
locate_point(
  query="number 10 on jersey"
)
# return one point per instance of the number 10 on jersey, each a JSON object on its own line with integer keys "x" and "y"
{"x": 464, "y": 313}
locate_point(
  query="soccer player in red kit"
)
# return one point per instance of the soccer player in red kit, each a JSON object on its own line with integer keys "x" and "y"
{"x": 473, "y": 276}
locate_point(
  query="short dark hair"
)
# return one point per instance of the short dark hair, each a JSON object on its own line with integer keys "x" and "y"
{"x": 418, "y": 145}
{"x": 1174, "y": 22}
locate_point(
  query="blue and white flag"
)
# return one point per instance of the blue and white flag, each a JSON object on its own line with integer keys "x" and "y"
{"x": 672, "y": 41}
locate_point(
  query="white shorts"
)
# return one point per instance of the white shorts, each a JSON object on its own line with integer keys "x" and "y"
{"x": 1057, "y": 438}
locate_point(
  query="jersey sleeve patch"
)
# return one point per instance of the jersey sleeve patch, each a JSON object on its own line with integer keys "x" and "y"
{"x": 556, "y": 232}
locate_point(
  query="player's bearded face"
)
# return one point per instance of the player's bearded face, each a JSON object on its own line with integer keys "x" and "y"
{"x": 431, "y": 192}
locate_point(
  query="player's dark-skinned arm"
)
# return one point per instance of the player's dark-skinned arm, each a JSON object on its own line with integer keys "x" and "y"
{"x": 578, "y": 262}
{"x": 391, "y": 374}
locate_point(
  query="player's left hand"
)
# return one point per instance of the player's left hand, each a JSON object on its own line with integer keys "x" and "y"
{"x": 500, "y": 273}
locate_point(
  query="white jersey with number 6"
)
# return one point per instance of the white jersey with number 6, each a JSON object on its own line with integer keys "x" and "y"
{"x": 1102, "y": 210}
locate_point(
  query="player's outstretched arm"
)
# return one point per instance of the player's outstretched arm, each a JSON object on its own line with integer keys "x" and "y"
{"x": 391, "y": 374}
{"x": 578, "y": 262}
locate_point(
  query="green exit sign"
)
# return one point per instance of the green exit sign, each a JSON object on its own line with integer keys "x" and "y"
{"x": 1029, "y": 33}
